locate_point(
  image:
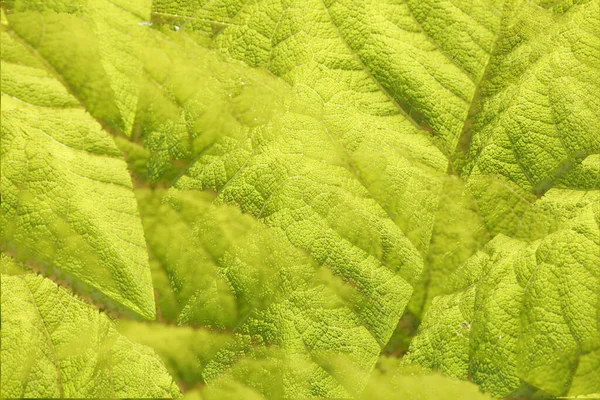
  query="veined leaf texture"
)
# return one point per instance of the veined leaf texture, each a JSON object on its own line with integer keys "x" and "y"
{"x": 300, "y": 198}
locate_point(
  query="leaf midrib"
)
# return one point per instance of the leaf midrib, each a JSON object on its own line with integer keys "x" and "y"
{"x": 48, "y": 340}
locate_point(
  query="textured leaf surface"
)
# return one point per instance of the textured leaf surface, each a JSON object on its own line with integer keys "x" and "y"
{"x": 342, "y": 107}
{"x": 180, "y": 265}
{"x": 55, "y": 345}
{"x": 524, "y": 317}
{"x": 485, "y": 79}
{"x": 280, "y": 165}
{"x": 305, "y": 203}
{"x": 459, "y": 231}
{"x": 399, "y": 51}
{"x": 537, "y": 119}
{"x": 389, "y": 380}
{"x": 185, "y": 351}
{"x": 273, "y": 300}
{"x": 383, "y": 384}
{"x": 505, "y": 87}
{"x": 267, "y": 157}
{"x": 67, "y": 201}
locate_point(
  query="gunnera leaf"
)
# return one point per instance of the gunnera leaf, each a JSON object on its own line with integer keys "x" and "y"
{"x": 55, "y": 345}
{"x": 68, "y": 207}
{"x": 307, "y": 207}
{"x": 523, "y": 318}
{"x": 292, "y": 158}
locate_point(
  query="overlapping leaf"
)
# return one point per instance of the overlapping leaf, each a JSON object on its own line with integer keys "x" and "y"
{"x": 459, "y": 231}
{"x": 453, "y": 69}
{"x": 535, "y": 121}
{"x": 389, "y": 380}
{"x": 185, "y": 350}
{"x": 524, "y": 317}
{"x": 231, "y": 273}
{"x": 67, "y": 201}
{"x": 420, "y": 60}
{"x": 278, "y": 162}
{"x": 338, "y": 171}
{"x": 56, "y": 345}
{"x": 385, "y": 151}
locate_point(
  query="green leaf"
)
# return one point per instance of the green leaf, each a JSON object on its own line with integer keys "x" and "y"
{"x": 185, "y": 351}
{"x": 536, "y": 121}
{"x": 389, "y": 380}
{"x": 292, "y": 209}
{"x": 511, "y": 87}
{"x": 231, "y": 273}
{"x": 476, "y": 76}
{"x": 201, "y": 247}
{"x": 357, "y": 122}
{"x": 98, "y": 40}
{"x": 68, "y": 206}
{"x": 192, "y": 105}
{"x": 461, "y": 228}
{"x": 180, "y": 265}
{"x": 10, "y": 266}
{"x": 289, "y": 173}
{"x": 524, "y": 317}
{"x": 55, "y": 345}
{"x": 382, "y": 58}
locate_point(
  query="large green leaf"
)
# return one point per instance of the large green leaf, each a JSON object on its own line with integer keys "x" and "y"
{"x": 185, "y": 350}
{"x": 56, "y": 345}
{"x": 329, "y": 177}
{"x": 390, "y": 380}
{"x": 68, "y": 206}
{"x": 272, "y": 299}
{"x": 524, "y": 317}
{"x": 307, "y": 205}
{"x": 483, "y": 80}
{"x": 536, "y": 121}
{"x": 417, "y": 60}
{"x": 513, "y": 84}
{"x": 341, "y": 106}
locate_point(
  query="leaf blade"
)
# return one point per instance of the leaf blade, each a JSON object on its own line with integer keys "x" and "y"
{"x": 55, "y": 345}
